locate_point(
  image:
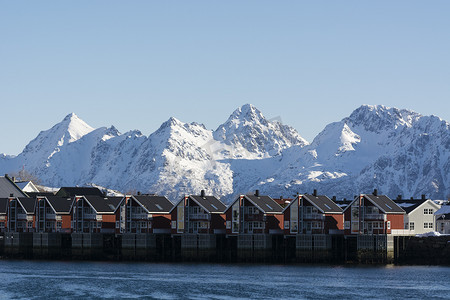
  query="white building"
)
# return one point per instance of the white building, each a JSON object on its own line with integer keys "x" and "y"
{"x": 27, "y": 186}
{"x": 419, "y": 216}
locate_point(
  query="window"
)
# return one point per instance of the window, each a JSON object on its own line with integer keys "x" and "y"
{"x": 228, "y": 224}
{"x": 347, "y": 225}
{"x": 406, "y": 225}
{"x": 2, "y": 225}
{"x": 411, "y": 226}
{"x": 427, "y": 211}
{"x": 286, "y": 224}
{"x": 58, "y": 225}
{"x": 428, "y": 225}
{"x": 143, "y": 224}
{"x": 388, "y": 224}
{"x": 133, "y": 224}
{"x": 294, "y": 226}
{"x": 117, "y": 224}
{"x": 174, "y": 224}
{"x": 29, "y": 224}
{"x": 99, "y": 224}
{"x": 49, "y": 224}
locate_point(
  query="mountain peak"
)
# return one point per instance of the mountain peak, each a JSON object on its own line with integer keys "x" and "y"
{"x": 376, "y": 118}
{"x": 248, "y": 112}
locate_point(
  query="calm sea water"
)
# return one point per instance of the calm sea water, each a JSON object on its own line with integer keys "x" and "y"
{"x": 63, "y": 280}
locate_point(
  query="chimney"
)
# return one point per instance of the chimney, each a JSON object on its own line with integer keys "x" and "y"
{"x": 202, "y": 193}
{"x": 334, "y": 198}
{"x": 139, "y": 193}
{"x": 375, "y": 192}
{"x": 423, "y": 197}
{"x": 412, "y": 198}
{"x": 315, "y": 193}
{"x": 13, "y": 179}
{"x": 11, "y": 195}
{"x": 399, "y": 197}
{"x": 257, "y": 193}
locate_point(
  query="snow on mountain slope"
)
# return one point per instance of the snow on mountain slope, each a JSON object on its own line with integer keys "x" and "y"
{"x": 396, "y": 151}
{"x": 251, "y": 135}
{"x": 38, "y": 152}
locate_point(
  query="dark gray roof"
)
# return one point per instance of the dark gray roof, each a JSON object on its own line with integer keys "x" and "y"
{"x": 3, "y": 205}
{"x": 7, "y": 187}
{"x": 155, "y": 204}
{"x": 61, "y": 205}
{"x": 325, "y": 204}
{"x": 104, "y": 205}
{"x": 210, "y": 203}
{"x": 35, "y": 194}
{"x": 444, "y": 217}
{"x": 79, "y": 191}
{"x": 29, "y": 204}
{"x": 265, "y": 204}
{"x": 385, "y": 204}
{"x": 409, "y": 205}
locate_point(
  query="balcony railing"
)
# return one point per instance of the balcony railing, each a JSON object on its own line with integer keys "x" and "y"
{"x": 374, "y": 217}
{"x": 90, "y": 216}
{"x": 313, "y": 216}
{"x": 143, "y": 216}
{"x": 199, "y": 216}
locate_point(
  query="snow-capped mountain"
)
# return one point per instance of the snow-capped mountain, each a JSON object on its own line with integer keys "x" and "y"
{"x": 250, "y": 135}
{"x": 396, "y": 151}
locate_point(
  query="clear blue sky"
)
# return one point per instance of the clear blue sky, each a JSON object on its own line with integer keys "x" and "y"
{"x": 133, "y": 64}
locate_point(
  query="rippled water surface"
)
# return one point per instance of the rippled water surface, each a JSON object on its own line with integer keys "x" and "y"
{"x": 62, "y": 280}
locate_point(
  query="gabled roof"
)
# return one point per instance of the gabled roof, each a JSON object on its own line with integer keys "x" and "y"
{"x": 265, "y": 204}
{"x": 27, "y": 186}
{"x": 79, "y": 191}
{"x": 323, "y": 203}
{"x": 209, "y": 203}
{"x": 154, "y": 204}
{"x": 102, "y": 204}
{"x": 61, "y": 205}
{"x": 8, "y": 187}
{"x": 385, "y": 204}
{"x": 3, "y": 205}
{"x": 411, "y": 205}
{"x": 28, "y": 204}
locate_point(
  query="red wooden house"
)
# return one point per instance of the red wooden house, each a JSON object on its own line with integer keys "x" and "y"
{"x": 21, "y": 214}
{"x": 94, "y": 214}
{"x": 143, "y": 214}
{"x": 254, "y": 214}
{"x": 373, "y": 214}
{"x": 53, "y": 214}
{"x": 313, "y": 214}
{"x": 198, "y": 214}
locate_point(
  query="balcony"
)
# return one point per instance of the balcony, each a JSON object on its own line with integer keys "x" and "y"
{"x": 199, "y": 216}
{"x": 374, "y": 217}
{"x": 50, "y": 216}
{"x": 143, "y": 216}
{"x": 313, "y": 216}
{"x": 90, "y": 216}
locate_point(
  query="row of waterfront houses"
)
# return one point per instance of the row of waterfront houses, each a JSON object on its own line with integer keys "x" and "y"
{"x": 87, "y": 210}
